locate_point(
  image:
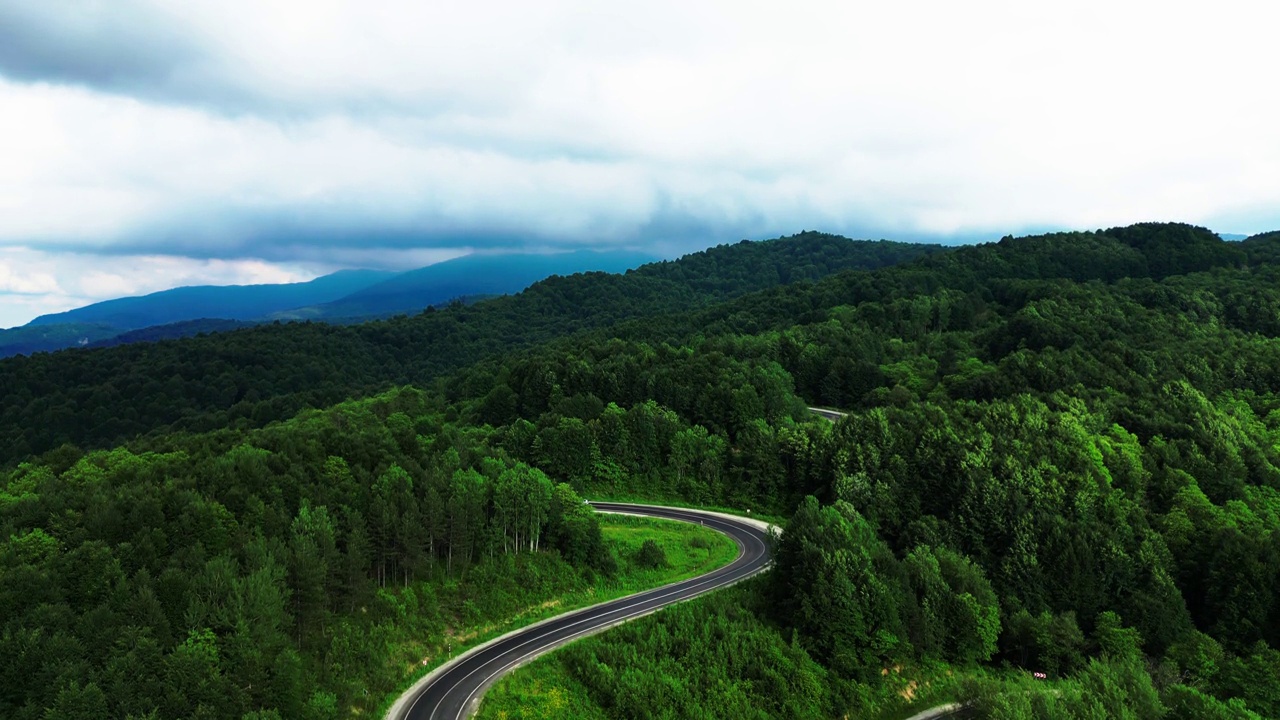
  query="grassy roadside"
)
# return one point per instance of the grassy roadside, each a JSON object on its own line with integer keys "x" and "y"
{"x": 541, "y": 690}
{"x": 555, "y": 685}
{"x": 547, "y": 689}
{"x": 714, "y": 656}
{"x": 443, "y": 619}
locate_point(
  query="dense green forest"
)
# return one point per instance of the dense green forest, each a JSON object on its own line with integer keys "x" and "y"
{"x": 1062, "y": 455}
{"x": 285, "y": 572}
{"x": 251, "y": 377}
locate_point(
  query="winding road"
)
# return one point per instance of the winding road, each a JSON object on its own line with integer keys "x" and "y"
{"x": 453, "y": 690}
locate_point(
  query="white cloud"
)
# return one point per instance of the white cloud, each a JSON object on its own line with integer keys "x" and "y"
{"x": 17, "y": 309}
{"x": 24, "y": 282}
{"x": 327, "y": 131}
{"x": 51, "y": 282}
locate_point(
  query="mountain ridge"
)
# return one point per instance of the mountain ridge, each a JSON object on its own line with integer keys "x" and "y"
{"x": 228, "y": 302}
{"x": 345, "y": 296}
{"x": 215, "y": 374}
{"x": 468, "y": 276}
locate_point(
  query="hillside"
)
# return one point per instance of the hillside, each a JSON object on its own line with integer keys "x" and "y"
{"x": 269, "y": 372}
{"x": 171, "y": 331}
{"x": 346, "y": 296}
{"x": 44, "y": 338}
{"x": 1061, "y": 457}
{"x": 1054, "y": 461}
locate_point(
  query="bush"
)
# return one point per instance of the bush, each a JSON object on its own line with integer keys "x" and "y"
{"x": 650, "y": 555}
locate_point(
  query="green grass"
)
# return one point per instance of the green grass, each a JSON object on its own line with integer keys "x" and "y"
{"x": 543, "y": 689}
{"x": 445, "y": 617}
{"x": 691, "y": 550}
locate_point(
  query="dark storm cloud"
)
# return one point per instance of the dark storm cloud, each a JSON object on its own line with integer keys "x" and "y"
{"x": 195, "y": 55}
{"x": 308, "y": 133}
{"x": 285, "y": 237}
{"x": 155, "y": 54}
{"x": 94, "y": 44}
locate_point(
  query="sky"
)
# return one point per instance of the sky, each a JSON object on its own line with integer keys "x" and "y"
{"x": 146, "y": 144}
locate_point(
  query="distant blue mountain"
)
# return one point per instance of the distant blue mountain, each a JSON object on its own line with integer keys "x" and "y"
{"x": 467, "y": 277}
{"x": 231, "y": 302}
{"x": 348, "y": 295}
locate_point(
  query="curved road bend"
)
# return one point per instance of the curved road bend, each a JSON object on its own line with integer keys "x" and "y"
{"x": 453, "y": 690}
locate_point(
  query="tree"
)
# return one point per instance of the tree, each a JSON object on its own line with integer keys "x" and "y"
{"x": 194, "y": 683}
{"x": 76, "y": 702}
{"x": 312, "y": 552}
{"x": 356, "y": 561}
{"x": 537, "y": 505}
{"x": 573, "y": 530}
{"x": 956, "y": 614}
{"x": 392, "y": 494}
{"x": 1045, "y": 643}
{"x": 465, "y": 512}
{"x": 1188, "y": 703}
{"x": 566, "y": 450}
{"x": 833, "y": 582}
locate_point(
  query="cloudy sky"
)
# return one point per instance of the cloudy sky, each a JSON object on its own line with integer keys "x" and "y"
{"x": 152, "y": 143}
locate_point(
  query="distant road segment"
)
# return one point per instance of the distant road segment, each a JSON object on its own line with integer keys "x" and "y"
{"x": 832, "y": 415}
{"x": 453, "y": 690}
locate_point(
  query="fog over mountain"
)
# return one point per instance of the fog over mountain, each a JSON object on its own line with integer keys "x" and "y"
{"x": 235, "y": 142}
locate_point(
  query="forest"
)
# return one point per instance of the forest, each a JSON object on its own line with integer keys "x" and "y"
{"x": 257, "y": 375}
{"x": 1062, "y": 456}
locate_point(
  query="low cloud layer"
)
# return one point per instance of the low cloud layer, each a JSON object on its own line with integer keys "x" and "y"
{"x": 325, "y": 134}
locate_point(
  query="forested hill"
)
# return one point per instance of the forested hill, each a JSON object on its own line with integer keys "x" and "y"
{"x": 1062, "y": 456}
{"x": 989, "y": 271}
{"x": 726, "y": 271}
{"x": 253, "y": 376}
{"x": 469, "y": 276}
{"x": 1051, "y": 464}
{"x": 847, "y": 339}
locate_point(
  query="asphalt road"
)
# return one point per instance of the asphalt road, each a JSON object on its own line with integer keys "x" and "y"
{"x": 832, "y": 415}
{"x": 453, "y": 691}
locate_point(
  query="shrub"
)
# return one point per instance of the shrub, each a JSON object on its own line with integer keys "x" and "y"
{"x": 650, "y": 555}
